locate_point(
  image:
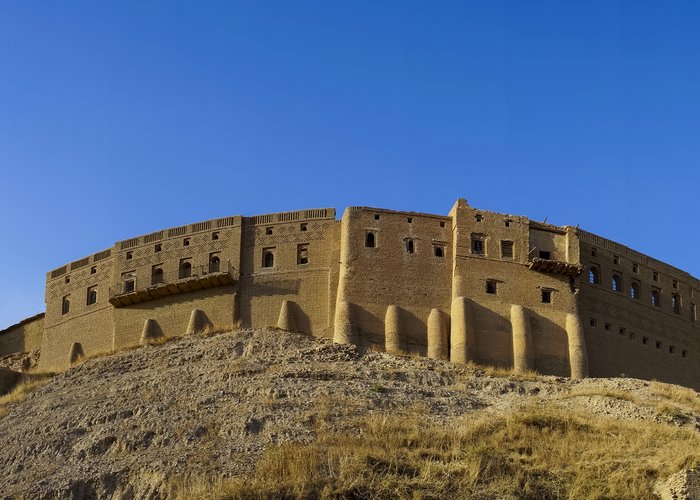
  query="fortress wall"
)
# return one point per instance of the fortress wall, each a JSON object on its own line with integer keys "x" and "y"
{"x": 25, "y": 336}
{"x": 372, "y": 279}
{"x": 172, "y": 314}
{"x": 89, "y": 324}
{"x": 169, "y": 248}
{"x": 303, "y": 246}
{"x": 622, "y": 332}
{"x": 513, "y": 283}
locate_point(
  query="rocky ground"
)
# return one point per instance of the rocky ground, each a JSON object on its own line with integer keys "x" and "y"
{"x": 123, "y": 425}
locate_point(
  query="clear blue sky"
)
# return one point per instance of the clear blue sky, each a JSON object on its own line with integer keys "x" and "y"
{"x": 120, "y": 118}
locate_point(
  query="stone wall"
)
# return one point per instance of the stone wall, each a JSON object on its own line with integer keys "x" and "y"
{"x": 474, "y": 285}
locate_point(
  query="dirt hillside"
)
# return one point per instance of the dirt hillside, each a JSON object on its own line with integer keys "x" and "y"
{"x": 135, "y": 423}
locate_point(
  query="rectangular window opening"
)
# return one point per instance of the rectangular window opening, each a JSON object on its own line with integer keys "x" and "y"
{"x": 544, "y": 254}
{"x": 268, "y": 231}
{"x": 303, "y": 226}
{"x": 659, "y": 344}
{"x": 593, "y": 322}
{"x": 302, "y": 254}
{"x": 546, "y": 296}
{"x": 506, "y": 249}
{"x": 608, "y": 327}
{"x": 492, "y": 287}
{"x": 215, "y": 235}
{"x": 645, "y": 340}
{"x": 478, "y": 244}
{"x": 91, "y": 295}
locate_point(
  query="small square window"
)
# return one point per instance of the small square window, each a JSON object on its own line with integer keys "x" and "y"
{"x": 438, "y": 250}
{"x": 593, "y": 322}
{"x": 491, "y": 286}
{"x": 129, "y": 255}
{"x": 659, "y": 344}
{"x": 442, "y": 224}
{"x": 635, "y": 268}
{"x": 158, "y": 247}
{"x": 507, "y": 222}
{"x": 623, "y": 331}
{"x": 376, "y": 216}
{"x": 645, "y": 340}
{"x": 545, "y": 254}
{"x": 409, "y": 220}
{"x": 594, "y": 252}
{"x": 546, "y": 296}
{"x": 215, "y": 235}
{"x": 655, "y": 276}
{"x": 93, "y": 270}
{"x": 632, "y": 335}
{"x": 303, "y": 226}
{"x": 608, "y": 327}
{"x": 671, "y": 349}
{"x": 186, "y": 242}
{"x": 67, "y": 279}
{"x": 479, "y": 217}
{"x": 684, "y": 353}
{"x": 268, "y": 231}
{"x": 675, "y": 284}
{"x": 616, "y": 259}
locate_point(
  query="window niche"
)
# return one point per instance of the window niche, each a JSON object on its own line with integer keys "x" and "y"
{"x": 268, "y": 257}
{"x": 157, "y": 275}
{"x": 506, "y": 249}
{"x": 91, "y": 295}
{"x": 656, "y": 298}
{"x": 616, "y": 283}
{"x": 370, "y": 240}
{"x": 185, "y": 268}
{"x": 302, "y": 254}
{"x": 478, "y": 244}
{"x": 634, "y": 290}
{"x": 438, "y": 250}
{"x": 594, "y": 275}
{"x": 65, "y": 304}
{"x": 214, "y": 262}
{"x": 492, "y": 287}
{"x": 410, "y": 246}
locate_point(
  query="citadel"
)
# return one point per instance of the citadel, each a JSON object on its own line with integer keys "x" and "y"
{"x": 472, "y": 285}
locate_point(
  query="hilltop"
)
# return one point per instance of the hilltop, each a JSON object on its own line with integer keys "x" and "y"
{"x": 278, "y": 414}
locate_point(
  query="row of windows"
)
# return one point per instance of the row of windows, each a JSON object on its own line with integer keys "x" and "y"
{"x": 408, "y": 219}
{"x": 268, "y": 255}
{"x": 632, "y": 336}
{"x": 410, "y": 245}
{"x": 91, "y": 298}
{"x": 478, "y": 246}
{"x": 635, "y": 267}
{"x": 546, "y": 294}
{"x": 185, "y": 270}
{"x": 159, "y": 246}
{"x": 635, "y": 291}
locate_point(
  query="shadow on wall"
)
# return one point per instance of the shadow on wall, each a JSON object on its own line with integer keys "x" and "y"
{"x": 367, "y": 328}
{"x": 494, "y": 335}
{"x": 547, "y": 336}
{"x": 251, "y": 290}
{"x": 414, "y": 333}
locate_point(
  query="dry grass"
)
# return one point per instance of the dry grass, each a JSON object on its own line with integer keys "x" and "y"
{"x": 535, "y": 453}
{"x": 496, "y": 371}
{"x": 677, "y": 394}
{"x": 23, "y": 389}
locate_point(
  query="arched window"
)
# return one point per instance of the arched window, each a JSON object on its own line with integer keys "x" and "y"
{"x": 156, "y": 275}
{"x": 65, "y": 305}
{"x": 676, "y": 303}
{"x": 409, "y": 246}
{"x": 91, "y": 295}
{"x": 634, "y": 290}
{"x": 439, "y": 251}
{"x": 185, "y": 269}
{"x": 369, "y": 240}
{"x": 594, "y": 275}
{"x": 616, "y": 283}
{"x": 214, "y": 264}
{"x": 269, "y": 259}
{"x": 655, "y": 298}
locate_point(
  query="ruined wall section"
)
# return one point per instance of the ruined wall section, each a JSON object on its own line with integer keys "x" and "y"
{"x": 168, "y": 269}
{"x": 25, "y": 336}
{"x": 290, "y": 256}
{"x": 491, "y": 268}
{"x": 400, "y": 259}
{"x": 77, "y": 310}
{"x": 630, "y": 331}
